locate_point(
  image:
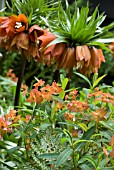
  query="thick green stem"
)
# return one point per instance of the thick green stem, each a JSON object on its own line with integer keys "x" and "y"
{"x": 20, "y": 79}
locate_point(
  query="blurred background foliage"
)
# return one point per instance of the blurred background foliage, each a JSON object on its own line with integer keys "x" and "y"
{"x": 33, "y": 69}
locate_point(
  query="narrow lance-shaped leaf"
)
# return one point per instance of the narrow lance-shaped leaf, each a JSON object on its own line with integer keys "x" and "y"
{"x": 84, "y": 77}
{"x": 63, "y": 157}
{"x": 98, "y": 80}
{"x": 91, "y": 160}
{"x": 86, "y": 136}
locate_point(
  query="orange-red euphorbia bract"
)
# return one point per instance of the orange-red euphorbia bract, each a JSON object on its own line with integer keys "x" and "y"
{"x": 68, "y": 116}
{"x": 77, "y": 106}
{"x": 39, "y": 93}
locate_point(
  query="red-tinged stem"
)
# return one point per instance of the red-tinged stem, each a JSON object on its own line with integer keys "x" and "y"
{"x": 20, "y": 79}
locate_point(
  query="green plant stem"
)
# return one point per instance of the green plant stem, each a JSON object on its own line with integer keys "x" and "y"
{"x": 73, "y": 157}
{"x": 69, "y": 77}
{"x": 20, "y": 79}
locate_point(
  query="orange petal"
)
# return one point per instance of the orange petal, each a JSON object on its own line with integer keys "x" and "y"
{"x": 21, "y": 18}
{"x": 4, "y": 27}
{"x": 102, "y": 59}
{"x": 14, "y": 18}
{"x": 87, "y": 55}
{"x": 62, "y": 59}
{"x": 47, "y": 56}
{"x": 38, "y": 30}
{"x": 58, "y": 50}
{"x": 14, "y": 41}
{"x": 96, "y": 58}
{"x": 70, "y": 60}
{"x": 2, "y": 32}
{"x": 2, "y": 19}
{"x": 23, "y": 41}
{"x": 46, "y": 38}
{"x": 21, "y": 29}
{"x": 79, "y": 54}
{"x": 49, "y": 49}
{"x": 33, "y": 52}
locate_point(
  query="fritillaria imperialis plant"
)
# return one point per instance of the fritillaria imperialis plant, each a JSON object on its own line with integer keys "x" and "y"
{"x": 79, "y": 40}
{"x": 20, "y": 29}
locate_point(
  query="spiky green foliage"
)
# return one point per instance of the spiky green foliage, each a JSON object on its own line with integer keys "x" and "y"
{"x": 33, "y": 9}
{"x": 79, "y": 28}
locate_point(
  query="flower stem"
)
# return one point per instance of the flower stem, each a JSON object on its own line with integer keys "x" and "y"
{"x": 20, "y": 79}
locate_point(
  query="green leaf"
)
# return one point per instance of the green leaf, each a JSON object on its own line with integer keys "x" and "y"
{"x": 107, "y": 168}
{"x": 109, "y": 125}
{"x": 98, "y": 80}
{"x": 95, "y": 76}
{"x": 105, "y": 40}
{"x": 56, "y": 41}
{"x": 44, "y": 126}
{"x": 64, "y": 84}
{"x": 86, "y": 136}
{"x": 63, "y": 157}
{"x": 10, "y": 164}
{"x": 91, "y": 160}
{"x": 84, "y": 77}
{"x": 100, "y": 45}
{"x": 82, "y": 141}
{"x": 85, "y": 167}
{"x": 62, "y": 95}
{"x": 68, "y": 134}
{"x": 13, "y": 149}
{"x": 63, "y": 140}
{"x": 83, "y": 126}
